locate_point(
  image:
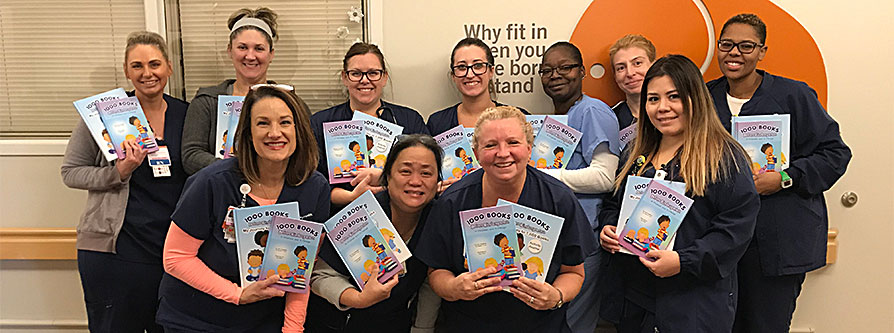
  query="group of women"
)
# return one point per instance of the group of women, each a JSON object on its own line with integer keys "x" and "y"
{"x": 150, "y": 262}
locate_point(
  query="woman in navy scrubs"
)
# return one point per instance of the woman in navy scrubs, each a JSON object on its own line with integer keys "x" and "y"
{"x": 691, "y": 288}
{"x": 790, "y": 237}
{"x": 364, "y": 75}
{"x": 502, "y": 142}
{"x": 123, "y": 228}
{"x": 410, "y": 178}
{"x": 276, "y": 156}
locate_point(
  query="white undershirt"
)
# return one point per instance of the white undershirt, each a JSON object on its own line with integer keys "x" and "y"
{"x": 735, "y": 104}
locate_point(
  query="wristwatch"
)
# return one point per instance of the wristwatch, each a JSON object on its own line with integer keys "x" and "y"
{"x": 786, "y": 180}
{"x": 561, "y": 300}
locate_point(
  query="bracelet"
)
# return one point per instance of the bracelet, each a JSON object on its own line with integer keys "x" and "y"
{"x": 561, "y": 300}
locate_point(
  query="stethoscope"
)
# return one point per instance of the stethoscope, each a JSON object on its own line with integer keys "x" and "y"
{"x": 379, "y": 112}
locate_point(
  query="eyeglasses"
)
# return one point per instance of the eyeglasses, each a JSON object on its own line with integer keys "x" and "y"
{"x": 478, "y": 68}
{"x": 562, "y": 70}
{"x": 745, "y": 47}
{"x": 283, "y": 87}
{"x": 372, "y": 75}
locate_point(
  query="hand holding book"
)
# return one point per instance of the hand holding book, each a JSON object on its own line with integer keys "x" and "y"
{"x": 608, "y": 238}
{"x": 470, "y": 285}
{"x": 373, "y": 292}
{"x": 666, "y": 263}
{"x": 133, "y": 157}
{"x": 538, "y": 295}
{"x": 260, "y": 291}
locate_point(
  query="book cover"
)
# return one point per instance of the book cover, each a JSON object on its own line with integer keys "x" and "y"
{"x": 654, "y": 220}
{"x": 554, "y": 145}
{"x": 233, "y": 107}
{"x": 538, "y": 234}
{"x": 252, "y": 226}
{"x": 345, "y": 149}
{"x": 124, "y": 120}
{"x": 380, "y": 135}
{"x": 361, "y": 246}
{"x": 459, "y": 159}
{"x": 633, "y": 191}
{"x": 87, "y": 109}
{"x": 491, "y": 240}
{"x": 627, "y": 134}
{"x": 368, "y": 201}
{"x": 290, "y": 253}
{"x": 766, "y": 139}
{"x": 469, "y": 132}
{"x": 536, "y": 120}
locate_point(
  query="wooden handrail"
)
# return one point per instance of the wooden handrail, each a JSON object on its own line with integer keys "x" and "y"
{"x": 38, "y": 244}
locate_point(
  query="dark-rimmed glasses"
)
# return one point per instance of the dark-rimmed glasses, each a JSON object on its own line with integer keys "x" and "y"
{"x": 745, "y": 46}
{"x": 372, "y": 75}
{"x": 478, "y": 68}
{"x": 562, "y": 70}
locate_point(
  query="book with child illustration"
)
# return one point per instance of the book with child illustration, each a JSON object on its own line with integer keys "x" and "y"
{"x": 536, "y": 120}
{"x": 766, "y": 139}
{"x": 87, "y": 109}
{"x": 469, "y": 132}
{"x": 491, "y": 240}
{"x": 627, "y": 134}
{"x": 124, "y": 120}
{"x": 633, "y": 191}
{"x": 368, "y": 201}
{"x": 228, "y": 110}
{"x": 654, "y": 220}
{"x": 362, "y": 247}
{"x": 459, "y": 159}
{"x": 252, "y": 226}
{"x": 538, "y": 234}
{"x": 380, "y": 135}
{"x": 290, "y": 253}
{"x": 554, "y": 145}
{"x": 345, "y": 149}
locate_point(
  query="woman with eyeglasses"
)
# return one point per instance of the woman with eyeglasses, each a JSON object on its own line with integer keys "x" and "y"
{"x": 790, "y": 239}
{"x": 364, "y": 75}
{"x": 252, "y": 33}
{"x": 591, "y": 170}
{"x": 472, "y": 70}
{"x": 691, "y": 288}
{"x": 631, "y": 56}
{"x": 276, "y": 155}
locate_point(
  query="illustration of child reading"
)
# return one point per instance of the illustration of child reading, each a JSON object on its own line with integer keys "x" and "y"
{"x": 630, "y": 236}
{"x": 368, "y": 266}
{"x": 109, "y": 145}
{"x": 282, "y": 271}
{"x": 642, "y": 240}
{"x": 461, "y": 153}
{"x": 359, "y": 155}
{"x": 386, "y": 264}
{"x": 255, "y": 258}
{"x": 508, "y": 256}
{"x": 145, "y": 140}
{"x": 491, "y": 262}
{"x": 541, "y": 163}
{"x": 559, "y": 152}
{"x": 298, "y": 279}
{"x": 389, "y": 237}
{"x": 661, "y": 235}
{"x": 346, "y": 168}
{"x": 457, "y": 173}
{"x": 533, "y": 267}
{"x": 223, "y": 146}
{"x": 767, "y": 149}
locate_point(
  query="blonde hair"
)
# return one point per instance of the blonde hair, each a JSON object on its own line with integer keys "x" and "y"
{"x": 502, "y": 112}
{"x": 632, "y": 40}
{"x": 708, "y": 149}
{"x": 146, "y": 38}
{"x": 536, "y": 261}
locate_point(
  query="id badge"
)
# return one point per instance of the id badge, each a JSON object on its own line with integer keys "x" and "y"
{"x": 160, "y": 161}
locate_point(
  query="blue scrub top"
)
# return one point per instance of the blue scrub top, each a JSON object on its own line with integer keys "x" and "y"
{"x": 441, "y": 247}
{"x": 200, "y": 213}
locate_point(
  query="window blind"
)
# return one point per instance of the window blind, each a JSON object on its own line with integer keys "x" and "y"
{"x": 54, "y": 52}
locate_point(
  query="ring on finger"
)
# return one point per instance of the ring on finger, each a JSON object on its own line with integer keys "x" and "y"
{"x": 531, "y": 300}
{"x": 476, "y": 284}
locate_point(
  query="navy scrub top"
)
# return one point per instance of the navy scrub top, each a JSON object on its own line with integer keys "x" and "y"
{"x": 441, "y": 247}
{"x": 446, "y": 119}
{"x": 199, "y": 213}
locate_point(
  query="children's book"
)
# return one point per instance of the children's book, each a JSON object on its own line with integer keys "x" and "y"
{"x": 345, "y": 149}
{"x": 459, "y": 159}
{"x": 766, "y": 139}
{"x": 469, "y": 132}
{"x": 361, "y": 246}
{"x": 290, "y": 253}
{"x": 538, "y": 234}
{"x": 554, "y": 145}
{"x": 380, "y": 135}
{"x": 368, "y": 201}
{"x": 252, "y": 232}
{"x": 491, "y": 240}
{"x": 124, "y": 120}
{"x": 654, "y": 220}
{"x": 228, "y": 110}
{"x": 627, "y": 134}
{"x": 536, "y": 120}
{"x": 87, "y": 109}
{"x": 633, "y": 191}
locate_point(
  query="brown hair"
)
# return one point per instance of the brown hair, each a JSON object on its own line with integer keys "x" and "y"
{"x": 303, "y": 161}
{"x": 632, "y": 40}
{"x": 472, "y": 41}
{"x": 503, "y": 112}
{"x": 361, "y": 48}
{"x": 146, "y": 38}
{"x": 262, "y": 13}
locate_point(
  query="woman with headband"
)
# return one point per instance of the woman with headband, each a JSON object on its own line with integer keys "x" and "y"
{"x": 252, "y": 33}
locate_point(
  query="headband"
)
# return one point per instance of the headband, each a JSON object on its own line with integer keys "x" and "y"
{"x": 254, "y": 22}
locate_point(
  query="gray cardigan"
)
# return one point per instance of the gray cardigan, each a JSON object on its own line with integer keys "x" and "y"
{"x": 84, "y": 167}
